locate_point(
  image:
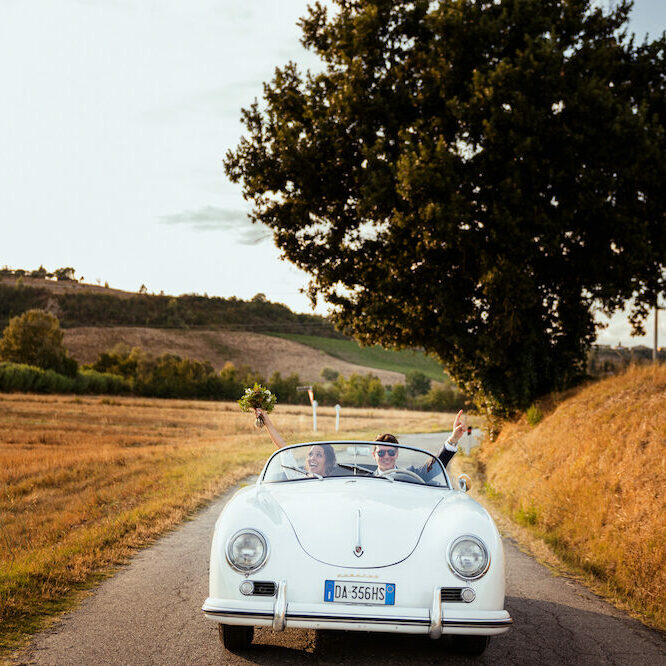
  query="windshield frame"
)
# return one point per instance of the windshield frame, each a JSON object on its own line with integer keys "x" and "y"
{"x": 354, "y": 442}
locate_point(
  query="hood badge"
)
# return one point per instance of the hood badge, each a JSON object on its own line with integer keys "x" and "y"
{"x": 358, "y": 549}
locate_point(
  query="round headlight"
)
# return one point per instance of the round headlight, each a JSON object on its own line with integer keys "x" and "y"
{"x": 247, "y": 550}
{"x": 468, "y": 557}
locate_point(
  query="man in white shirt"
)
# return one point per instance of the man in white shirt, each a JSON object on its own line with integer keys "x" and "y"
{"x": 386, "y": 453}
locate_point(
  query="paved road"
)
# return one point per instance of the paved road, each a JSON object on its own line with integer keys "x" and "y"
{"x": 149, "y": 613}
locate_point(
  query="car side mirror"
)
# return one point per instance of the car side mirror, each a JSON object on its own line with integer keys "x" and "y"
{"x": 464, "y": 483}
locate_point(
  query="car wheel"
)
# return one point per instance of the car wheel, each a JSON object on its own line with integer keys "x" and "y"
{"x": 471, "y": 645}
{"x": 235, "y": 637}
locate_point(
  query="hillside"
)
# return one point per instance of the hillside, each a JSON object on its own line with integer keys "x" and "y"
{"x": 590, "y": 479}
{"x": 263, "y": 353}
{"x": 213, "y": 329}
{"x": 375, "y": 357}
{"x": 77, "y": 304}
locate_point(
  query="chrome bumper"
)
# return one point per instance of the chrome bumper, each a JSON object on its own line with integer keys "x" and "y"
{"x": 435, "y": 621}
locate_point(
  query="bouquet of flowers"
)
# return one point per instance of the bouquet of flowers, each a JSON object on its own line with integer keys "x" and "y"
{"x": 257, "y": 396}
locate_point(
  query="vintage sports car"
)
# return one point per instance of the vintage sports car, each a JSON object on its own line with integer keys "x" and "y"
{"x": 326, "y": 540}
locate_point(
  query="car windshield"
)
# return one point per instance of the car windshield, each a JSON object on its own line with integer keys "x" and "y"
{"x": 388, "y": 463}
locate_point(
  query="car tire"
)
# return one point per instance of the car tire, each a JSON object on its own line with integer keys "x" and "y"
{"x": 236, "y": 637}
{"x": 470, "y": 645}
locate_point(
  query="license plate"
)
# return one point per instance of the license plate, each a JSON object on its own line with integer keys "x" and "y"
{"x": 372, "y": 594}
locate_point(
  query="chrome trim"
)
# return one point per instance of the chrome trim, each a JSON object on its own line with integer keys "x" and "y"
{"x": 478, "y": 541}
{"x": 280, "y": 607}
{"x": 459, "y": 622}
{"x": 362, "y": 619}
{"x": 230, "y": 540}
{"x": 358, "y": 550}
{"x": 435, "y": 630}
{"x": 239, "y": 614}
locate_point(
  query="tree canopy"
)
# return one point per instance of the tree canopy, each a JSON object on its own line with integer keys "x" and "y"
{"x": 473, "y": 177}
{"x": 35, "y": 338}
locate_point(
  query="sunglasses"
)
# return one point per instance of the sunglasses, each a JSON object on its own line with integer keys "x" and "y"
{"x": 390, "y": 452}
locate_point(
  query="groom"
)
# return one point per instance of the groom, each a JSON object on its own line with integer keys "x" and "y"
{"x": 385, "y": 452}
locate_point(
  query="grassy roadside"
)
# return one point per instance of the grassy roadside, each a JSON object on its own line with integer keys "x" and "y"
{"x": 87, "y": 481}
{"x": 373, "y": 357}
{"x": 584, "y": 489}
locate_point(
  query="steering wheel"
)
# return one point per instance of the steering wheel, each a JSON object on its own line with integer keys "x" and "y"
{"x": 402, "y": 470}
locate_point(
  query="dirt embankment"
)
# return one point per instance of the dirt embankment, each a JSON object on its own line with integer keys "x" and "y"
{"x": 262, "y": 353}
{"x": 590, "y": 479}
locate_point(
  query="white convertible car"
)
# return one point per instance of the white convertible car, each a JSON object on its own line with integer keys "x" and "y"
{"x": 326, "y": 540}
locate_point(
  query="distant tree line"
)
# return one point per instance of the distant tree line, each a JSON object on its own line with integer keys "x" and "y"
{"x": 33, "y": 359}
{"x": 160, "y": 311}
{"x": 60, "y": 274}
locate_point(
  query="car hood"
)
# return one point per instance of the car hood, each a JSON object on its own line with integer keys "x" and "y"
{"x": 333, "y": 517}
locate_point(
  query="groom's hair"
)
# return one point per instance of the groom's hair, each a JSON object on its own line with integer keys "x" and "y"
{"x": 386, "y": 438}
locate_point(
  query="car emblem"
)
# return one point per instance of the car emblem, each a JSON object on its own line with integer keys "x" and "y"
{"x": 358, "y": 550}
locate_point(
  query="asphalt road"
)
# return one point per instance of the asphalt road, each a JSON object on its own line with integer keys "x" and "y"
{"x": 149, "y": 613}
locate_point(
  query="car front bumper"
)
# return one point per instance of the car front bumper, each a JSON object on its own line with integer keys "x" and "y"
{"x": 439, "y": 619}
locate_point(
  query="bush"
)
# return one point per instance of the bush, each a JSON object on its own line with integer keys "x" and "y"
{"x": 442, "y": 399}
{"x": 398, "y": 396}
{"x": 286, "y": 389}
{"x": 360, "y": 391}
{"x": 35, "y": 338}
{"x": 417, "y": 383}
{"x": 29, "y": 378}
{"x": 533, "y": 414}
{"x": 329, "y": 375}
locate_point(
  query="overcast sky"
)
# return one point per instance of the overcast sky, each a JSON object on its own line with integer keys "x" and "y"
{"x": 114, "y": 120}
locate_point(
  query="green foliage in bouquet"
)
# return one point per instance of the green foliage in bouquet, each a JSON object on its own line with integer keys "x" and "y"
{"x": 257, "y": 396}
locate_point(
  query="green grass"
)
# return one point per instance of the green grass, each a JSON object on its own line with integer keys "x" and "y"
{"x": 372, "y": 357}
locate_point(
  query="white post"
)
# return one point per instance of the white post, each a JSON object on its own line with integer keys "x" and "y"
{"x": 655, "y": 355}
{"x": 337, "y": 418}
{"x": 314, "y": 415}
{"x": 468, "y": 443}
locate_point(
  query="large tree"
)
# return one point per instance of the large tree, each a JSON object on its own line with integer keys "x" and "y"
{"x": 473, "y": 177}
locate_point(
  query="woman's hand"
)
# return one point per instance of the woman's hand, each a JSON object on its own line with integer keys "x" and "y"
{"x": 458, "y": 428}
{"x": 261, "y": 417}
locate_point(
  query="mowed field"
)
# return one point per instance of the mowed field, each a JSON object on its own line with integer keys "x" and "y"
{"x": 87, "y": 481}
{"x": 402, "y": 361}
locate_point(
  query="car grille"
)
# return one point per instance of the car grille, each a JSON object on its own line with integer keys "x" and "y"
{"x": 264, "y": 588}
{"x": 452, "y": 594}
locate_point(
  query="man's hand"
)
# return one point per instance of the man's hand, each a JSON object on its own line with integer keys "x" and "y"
{"x": 458, "y": 428}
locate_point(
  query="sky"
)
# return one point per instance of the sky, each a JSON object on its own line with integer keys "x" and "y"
{"x": 115, "y": 116}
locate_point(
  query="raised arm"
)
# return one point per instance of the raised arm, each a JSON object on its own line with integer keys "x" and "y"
{"x": 451, "y": 445}
{"x": 277, "y": 438}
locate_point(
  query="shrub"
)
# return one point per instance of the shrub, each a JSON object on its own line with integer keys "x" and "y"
{"x": 329, "y": 374}
{"x": 417, "y": 383}
{"x": 35, "y": 338}
{"x": 533, "y": 414}
{"x": 398, "y": 396}
{"x": 29, "y": 378}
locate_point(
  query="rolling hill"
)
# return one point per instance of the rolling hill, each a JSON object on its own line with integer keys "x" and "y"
{"x": 266, "y": 336}
{"x": 263, "y": 353}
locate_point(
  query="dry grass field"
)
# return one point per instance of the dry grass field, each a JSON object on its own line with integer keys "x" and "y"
{"x": 590, "y": 479}
{"x": 86, "y": 481}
